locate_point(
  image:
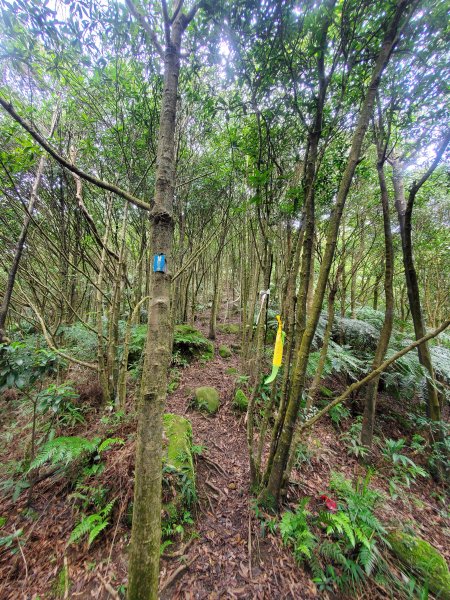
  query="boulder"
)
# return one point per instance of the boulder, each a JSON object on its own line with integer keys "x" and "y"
{"x": 207, "y": 398}
{"x": 422, "y": 559}
{"x": 225, "y": 352}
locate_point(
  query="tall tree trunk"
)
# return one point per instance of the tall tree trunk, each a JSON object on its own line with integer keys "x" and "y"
{"x": 386, "y": 330}
{"x": 412, "y": 286}
{"x": 143, "y": 569}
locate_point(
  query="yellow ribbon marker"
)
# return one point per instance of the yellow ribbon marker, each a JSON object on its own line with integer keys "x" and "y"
{"x": 277, "y": 352}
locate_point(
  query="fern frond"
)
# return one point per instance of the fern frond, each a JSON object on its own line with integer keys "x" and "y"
{"x": 97, "y": 529}
{"x": 64, "y": 450}
{"x": 109, "y": 442}
{"x": 84, "y": 527}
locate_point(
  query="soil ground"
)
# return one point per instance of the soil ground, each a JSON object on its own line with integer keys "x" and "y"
{"x": 230, "y": 555}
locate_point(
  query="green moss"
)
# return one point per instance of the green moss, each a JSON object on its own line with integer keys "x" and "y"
{"x": 3, "y": 521}
{"x": 225, "y": 352}
{"x": 231, "y": 371}
{"x": 190, "y": 342}
{"x": 240, "y": 401}
{"x": 178, "y": 452}
{"x": 178, "y": 460}
{"x": 207, "y": 398}
{"x": 424, "y": 560}
{"x": 61, "y": 583}
{"x": 231, "y": 328}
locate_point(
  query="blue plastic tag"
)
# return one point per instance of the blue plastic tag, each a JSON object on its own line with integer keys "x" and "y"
{"x": 159, "y": 263}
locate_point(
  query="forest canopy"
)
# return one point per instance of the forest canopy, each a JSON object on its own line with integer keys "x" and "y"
{"x": 224, "y": 298}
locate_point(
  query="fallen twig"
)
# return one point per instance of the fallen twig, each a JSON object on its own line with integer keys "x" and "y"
{"x": 177, "y": 572}
{"x": 179, "y": 552}
{"x": 23, "y": 555}
{"x": 108, "y": 587}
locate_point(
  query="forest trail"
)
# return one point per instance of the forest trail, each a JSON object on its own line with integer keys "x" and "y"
{"x": 225, "y": 521}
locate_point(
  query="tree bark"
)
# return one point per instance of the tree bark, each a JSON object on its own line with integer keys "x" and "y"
{"x": 143, "y": 569}
{"x": 386, "y": 330}
{"x": 412, "y": 286}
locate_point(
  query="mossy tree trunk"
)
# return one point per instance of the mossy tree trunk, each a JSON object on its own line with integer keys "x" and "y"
{"x": 143, "y": 569}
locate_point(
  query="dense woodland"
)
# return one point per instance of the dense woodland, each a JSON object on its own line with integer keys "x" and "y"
{"x": 224, "y": 287}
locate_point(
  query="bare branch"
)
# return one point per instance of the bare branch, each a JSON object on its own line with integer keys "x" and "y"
{"x": 84, "y": 210}
{"x": 437, "y": 159}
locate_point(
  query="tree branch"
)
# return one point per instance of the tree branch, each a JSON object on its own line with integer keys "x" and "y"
{"x": 437, "y": 159}
{"x": 66, "y": 163}
{"x": 358, "y": 384}
{"x": 167, "y": 21}
{"x": 145, "y": 26}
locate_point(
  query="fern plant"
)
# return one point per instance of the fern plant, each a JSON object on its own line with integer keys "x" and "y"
{"x": 65, "y": 450}
{"x": 92, "y": 525}
{"x": 342, "y": 547}
{"x": 352, "y": 439}
{"x": 405, "y": 470}
{"x": 295, "y": 531}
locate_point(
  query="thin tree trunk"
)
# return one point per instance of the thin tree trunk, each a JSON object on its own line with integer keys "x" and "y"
{"x": 143, "y": 569}
{"x": 412, "y": 286}
{"x": 23, "y": 236}
{"x": 270, "y": 495}
{"x": 385, "y": 334}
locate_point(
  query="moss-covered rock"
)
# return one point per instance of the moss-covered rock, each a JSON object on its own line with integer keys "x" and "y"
{"x": 240, "y": 401}
{"x": 190, "y": 343}
{"x": 225, "y": 352}
{"x": 178, "y": 452}
{"x": 231, "y": 328}
{"x": 422, "y": 559}
{"x": 207, "y": 398}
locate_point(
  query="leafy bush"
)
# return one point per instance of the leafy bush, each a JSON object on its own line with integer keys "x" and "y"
{"x": 137, "y": 343}
{"x": 58, "y": 399}
{"x": 81, "y": 341}
{"x": 21, "y": 365}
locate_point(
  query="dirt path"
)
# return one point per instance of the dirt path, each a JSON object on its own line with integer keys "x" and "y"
{"x": 231, "y": 558}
